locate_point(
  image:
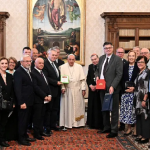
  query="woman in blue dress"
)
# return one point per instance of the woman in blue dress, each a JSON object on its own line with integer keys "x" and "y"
{"x": 130, "y": 72}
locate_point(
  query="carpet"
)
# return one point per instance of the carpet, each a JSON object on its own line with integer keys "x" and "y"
{"x": 77, "y": 139}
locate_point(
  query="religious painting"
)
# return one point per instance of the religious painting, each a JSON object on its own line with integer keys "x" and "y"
{"x": 57, "y": 23}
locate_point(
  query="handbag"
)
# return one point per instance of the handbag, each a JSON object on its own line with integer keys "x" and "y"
{"x": 5, "y": 104}
{"x": 129, "y": 84}
{"x": 107, "y": 103}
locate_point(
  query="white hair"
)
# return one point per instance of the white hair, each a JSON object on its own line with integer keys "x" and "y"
{"x": 71, "y": 55}
{"x": 51, "y": 49}
{"x": 21, "y": 59}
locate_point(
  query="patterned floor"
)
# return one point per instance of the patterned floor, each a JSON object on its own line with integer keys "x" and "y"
{"x": 79, "y": 139}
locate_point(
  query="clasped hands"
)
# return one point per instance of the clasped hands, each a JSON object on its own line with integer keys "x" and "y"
{"x": 48, "y": 98}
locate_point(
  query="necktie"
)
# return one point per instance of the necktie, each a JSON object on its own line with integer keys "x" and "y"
{"x": 29, "y": 74}
{"x": 43, "y": 77}
{"x": 42, "y": 74}
{"x": 105, "y": 66}
{"x": 55, "y": 69}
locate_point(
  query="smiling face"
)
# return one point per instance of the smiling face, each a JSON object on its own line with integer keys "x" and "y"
{"x": 52, "y": 55}
{"x": 26, "y": 62}
{"x": 131, "y": 57}
{"x": 108, "y": 49}
{"x": 71, "y": 60}
{"x": 141, "y": 64}
{"x": 145, "y": 52}
{"x": 3, "y": 65}
{"x": 94, "y": 60}
{"x": 120, "y": 52}
{"x": 39, "y": 63}
{"x": 11, "y": 64}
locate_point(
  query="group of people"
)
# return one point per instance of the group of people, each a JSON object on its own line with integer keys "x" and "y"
{"x": 49, "y": 94}
{"x": 128, "y": 81}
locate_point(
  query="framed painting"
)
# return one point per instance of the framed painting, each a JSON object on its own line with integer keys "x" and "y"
{"x": 57, "y": 23}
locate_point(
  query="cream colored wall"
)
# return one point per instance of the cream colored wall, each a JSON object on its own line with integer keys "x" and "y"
{"x": 16, "y": 28}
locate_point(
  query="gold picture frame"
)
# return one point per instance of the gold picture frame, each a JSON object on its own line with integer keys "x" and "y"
{"x": 58, "y": 23}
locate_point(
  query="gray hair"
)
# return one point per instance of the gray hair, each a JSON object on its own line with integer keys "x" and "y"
{"x": 137, "y": 47}
{"x": 56, "y": 47}
{"x": 145, "y": 48}
{"x": 21, "y": 59}
{"x": 121, "y": 48}
{"x": 71, "y": 55}
{"x": 51, "y": 49}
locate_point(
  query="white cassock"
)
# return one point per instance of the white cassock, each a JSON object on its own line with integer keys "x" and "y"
{"x": 72, "y": 105}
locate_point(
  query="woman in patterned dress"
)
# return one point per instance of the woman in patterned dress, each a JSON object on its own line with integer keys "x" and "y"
{"x": 141, "y": 101}
{"x": 130, "y": 71}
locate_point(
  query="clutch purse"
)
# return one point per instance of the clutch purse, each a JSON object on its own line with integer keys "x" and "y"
{"x": 129, "y": 84}
{"x": 5, "y": 104}
{"x": 101, "y": 84}
{"x": 107, "y": 103}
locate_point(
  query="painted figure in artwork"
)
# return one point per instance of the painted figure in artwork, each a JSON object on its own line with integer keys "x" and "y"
{"x": 72, "y": 12}
{"x": 40, "y": 10}
{"x": 57, "y": 13}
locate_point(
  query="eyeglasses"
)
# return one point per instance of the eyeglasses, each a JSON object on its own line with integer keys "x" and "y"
{"x": 120, "y": 52}
{"x": 141, "y": 62}
{"x": 27, "y": 61}
{"x": 11, "y": 62}
{"x": 105, "y": 48}
{"x": 144, "y": 53}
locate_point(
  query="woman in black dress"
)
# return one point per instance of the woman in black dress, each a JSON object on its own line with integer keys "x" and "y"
{"x": 94, "y": 114}
{"x": 6, "y": 82}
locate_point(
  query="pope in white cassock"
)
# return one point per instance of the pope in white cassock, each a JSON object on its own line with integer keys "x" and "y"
{"x": 72, "y": 106}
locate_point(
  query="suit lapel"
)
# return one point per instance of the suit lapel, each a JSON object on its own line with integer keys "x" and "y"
{"x": 26, "y": 74}
{"x": 110, "y": 62}
{"x": 101, "y": 63}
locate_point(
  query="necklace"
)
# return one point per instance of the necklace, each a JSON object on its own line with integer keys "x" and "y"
{"x": 71, "y": 73}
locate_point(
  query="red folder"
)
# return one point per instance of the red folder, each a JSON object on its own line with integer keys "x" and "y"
{"x": 101, "y": 84}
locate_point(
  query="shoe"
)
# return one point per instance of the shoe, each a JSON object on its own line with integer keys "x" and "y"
{"x": 56, "y": 128}
{"x": 39, "y": 137}
{"x": 134, "y": 135}
{"x": 104, "y": 131}
{"x": 45, "y": 134}
{"x": 138, "y": 139}
{"x": 26, "y": 143}
{"x": 143, "y": 141}
{"x": 31, "y": 139}
{"x": 112, "y": 135}
{"x": 4, "y": 144}
{"x": 126, "y": 134}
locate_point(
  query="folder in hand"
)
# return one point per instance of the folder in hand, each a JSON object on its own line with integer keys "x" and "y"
{"x": 101, "y": 84}
{"x": 107, "y": 103}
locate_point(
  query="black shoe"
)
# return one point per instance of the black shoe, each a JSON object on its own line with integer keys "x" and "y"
{"x": 26, "y": 143}
{"x": 39, "y": 137}
{"x": 121, "y": 128}
{"x": 143, "y": 141}
{"x": 138, "y": 139}
{"x": 4, "y": 144}
{"x": 56, "y": 128}
{"x": 112, "y": 135}
{"x": 126, "y": 134}
{"x": 31, "y": 139}
{"x": 104, "y": 131}
{"x": 134, "y": 135}
{"x": 45, "y": 134}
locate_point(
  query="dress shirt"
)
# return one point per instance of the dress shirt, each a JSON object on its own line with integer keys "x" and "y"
{"x": 43, "y": 76}
{"x": 54, "y": 66}
{"x": 102, "y": 76}
{"x": 28, "y": 72}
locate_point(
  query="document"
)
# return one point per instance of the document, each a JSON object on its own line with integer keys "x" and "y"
{"x": 64, "y": 79}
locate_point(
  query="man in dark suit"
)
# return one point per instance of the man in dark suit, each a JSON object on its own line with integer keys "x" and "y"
{"x": 120, "y": 52}
{"x": 42, "y": 98}
{"x": 58, "y": 61}
{"x": 110, "y": 69}
{"x": 24, "y": 91}
{"x": 52, "y": 73}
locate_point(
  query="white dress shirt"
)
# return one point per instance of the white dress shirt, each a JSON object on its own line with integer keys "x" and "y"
{"x": 102, "y": 75}
{"x": 28, "y": 72}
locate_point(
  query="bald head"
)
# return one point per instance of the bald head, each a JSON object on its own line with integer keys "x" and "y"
{"x": 39, "y": 63}
{"x": 71, "y": 59}
{"x": 145, "y": 52}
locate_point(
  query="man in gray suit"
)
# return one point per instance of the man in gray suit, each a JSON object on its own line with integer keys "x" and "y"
{"x": 110, "y": 69}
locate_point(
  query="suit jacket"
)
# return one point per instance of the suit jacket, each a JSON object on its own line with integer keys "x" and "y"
{"x": 90, "y": 75}
{"x": 19, "y": 64}
{"x": 60, "y": 62}
{"x": 113, "y": 72}
{"x": 124, "y": 61}
{"x": 125, "y": 76}
{"x": 7, "y": 90}
{"x": 41, "y": 88}
{"x": 52, "y": 78}
{"x": 23, "y": 87}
